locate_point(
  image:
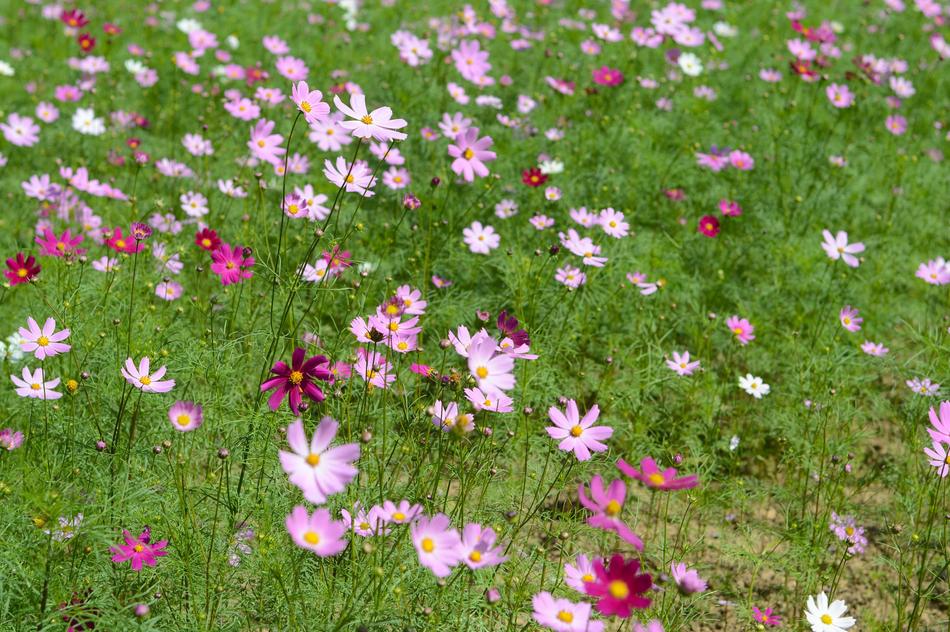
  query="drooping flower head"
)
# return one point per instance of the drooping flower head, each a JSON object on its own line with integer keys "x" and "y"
{"x": 652, "y": 476}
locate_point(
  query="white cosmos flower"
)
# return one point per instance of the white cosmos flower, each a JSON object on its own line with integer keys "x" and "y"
{"x": 233, "y": 42}
{"x": 549, "y": 167}
{"x": 690, "y": 64}
{"x": 85, "y": 122}
{"x": 724, "y": 29}
{"x": 188, "y": 25}
{"x": 6, "y": 69}
{"x": 825, "y": 617}
{"x": 754, "y": 386}
{"x": 134, "y": 66}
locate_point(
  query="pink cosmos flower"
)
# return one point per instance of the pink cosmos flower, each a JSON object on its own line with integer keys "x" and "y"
{"x": 741, "y": 328}
{"x": 681, "y": 364}
{"x": 138, "y": 551}
{"x": 563, "y": 615}
{"x": 652, "y": 476}
{"x": 874, "y": 348}
{"x": 730, "y": 208}
{"x": 313, "y": 466}
{"x": 318, "y": 532}
{"x": 185, "y": 416}
{"x": 687, "y": 580}
{"x": 471, "y": 153}
{"x": 849, "y": 318}
{"x": 766, "y": 617}
{"x": 654, "y": 625}
{"x": 613, "y": 223}
{"x": 447, "y": 417}
{"x": 377, "y": 124}
{"x": 296, "y": 380}
{"x": 231, "y": 264}
{"x": 577, "y": 575}
{"x": 496, "y": 402}
{"x": 578, "y": 435}
{"x": 938, "y": 455}
{"x": 478, "y": 547}
{"x": 708, "y": 225}
{"x": 896, "y": 124}
{"x": 356, "y": 178}
{"x": 570, "y": 276}
{"x": 21, "y": 131}
{"x": 620, "y": 586}
{"x": 10, "y": 439}
{"x": 481, "y": 239}
{"x": 438, "y": 545}
{"x": 264, "y": 144}
{"x": 43, "y": 343}
{"x": 454, "y": 125}
{"x": 309, "y": 101}
{"x": 365, "y": 523}
{"x": 140, "y": 378}
{"x": 840, "y": 95}
{"x": 923, "y": 386}
{"x": 491, "y": 370}
{"x": 741, "y": 160}
{"x": 402, "y": 513}
{"x": 35, "y": 385}
{"x": 470, "y": 60}
{"x": 607, "y": 504}
{"x": 935, "y": 271}
{"x": 940, "y": 423}
{"x": 847, "y": 530}
{"x": 837, "y": 247}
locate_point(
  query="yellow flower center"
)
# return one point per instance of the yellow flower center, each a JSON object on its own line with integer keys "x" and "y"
{"x": 60, "y": 246}
{"x": 22, "y": 272}
{"x": 260, "y": 143}
{"x": 618, "y": 589}
{"x": 138, "y": 548}
{"x": 656, "y": 478}
{"x": 42, "y": 341}
{"x": 849, "y": 530}
{"x": 846, "y": 320}
{"x": 313, "y": 459}
{"x": 120, "y": 244}
{"x": 481, "y": 372}
{"x": 826, "y": 619}
{"x": 613, "y": 508}
{"x": 468, "y": 154}
{"x": 296, "y": 377}
{"x": 565, "y": 616}
{"x": 399, "y": 516}
{"x": 183, "y": 420}
{"x": 475, "y": 556}
{"x": 364, "y": 526}
{"x": 576, "y": 431}
{"x": 737, "y": 330}
{"x": 587, "y": 578}
{"x": 35, "y": 387}
{"x": 402, "y": 345}
{"x": 311, "y": 538}
{"x": 293, "y": 209}
{"x": 427, "y": 545}
{"x": 145, "y": 380}
{"x": 392, "y": 309}
{"x": 367, "y": 120}
{"x": 305, "y": 106}
{"x": 350, "y": 178}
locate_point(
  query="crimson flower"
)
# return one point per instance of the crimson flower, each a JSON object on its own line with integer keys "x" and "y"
{"x": 620, "y": 586}
{"x": 533, "y": 177}
{"x": 21, "y": 270}
{"x": 297, "y": 380}
{"x": 207, "y": 239}
{"x": 123, "y": 243}
{"x": 709, "y": 225}
{"x": 86, "y": 42}
{"x": 74, "y": 18}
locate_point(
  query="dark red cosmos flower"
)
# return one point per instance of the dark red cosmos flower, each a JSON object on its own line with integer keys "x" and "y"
{"x": 74, "y": 18}
{"x": 508, "y": 325}
{"x": 533, "y": 177}
{"x": 134, "y": 142}
{"x": 709, "y": 225}
{"x": 111, "y": 29}
{"x": 21, "y": 270}
{"x": 207, "y": 239}
{"x": 620, "y": 586}
{"x": 297, "y": 380}
{"x": 86, "y": 42}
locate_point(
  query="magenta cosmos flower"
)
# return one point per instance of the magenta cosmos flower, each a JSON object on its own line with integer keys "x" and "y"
{"x": 185, "y": 416}
{"x": 139, "y": 551}
{"x": 297, "y": 380}
{"x": 620, "y": 586}
{"x": 139, "y": 376}
{"x": 606, "y": 76}
{"x": 563, "y": 615}
{"x": 471, "y": 153}
{"x": 741, "y": 328}
{"x": 316, "y": 468}
{"x": 766, "y": 617}
{"x": 45, "y": 342}
{"x": 438, "y": 545}
{"x": 607, "y": 504}
{"x": 578, "y": 435}
{"x": 231, "y": 264}
{"x": 652, "y": 476}
{"x": 318, "y": 532}
{"x": 849, "y": 318}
